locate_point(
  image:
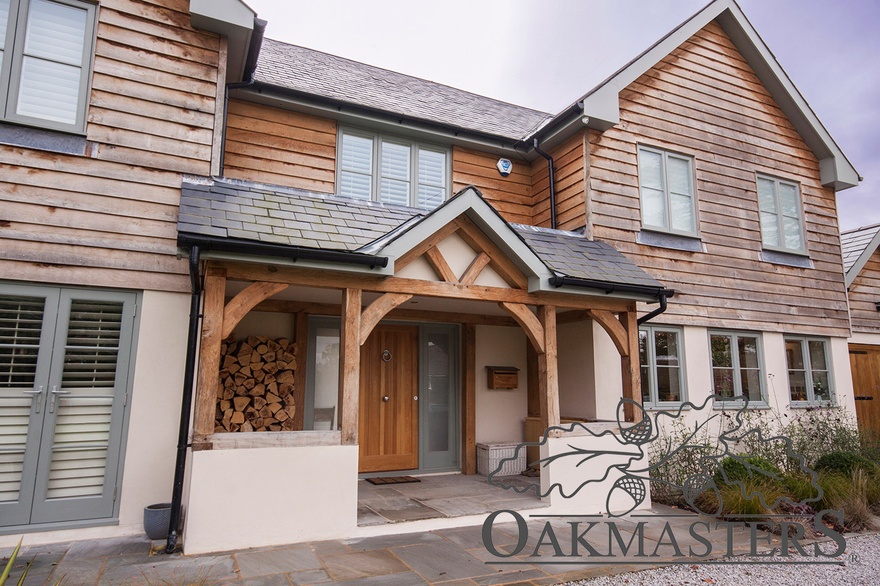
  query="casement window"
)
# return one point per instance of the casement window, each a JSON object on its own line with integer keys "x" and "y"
{"x": 662, "y": 361}
{"x": 737, "y": 366}
{"x": 666, "y": 186}
{"x": 809, "y": 372}
{"x": 782, "y": 226}
{"x": 380, "y": 168}
{"x": 45, "y": 62}
{"x": 64, "y": 382}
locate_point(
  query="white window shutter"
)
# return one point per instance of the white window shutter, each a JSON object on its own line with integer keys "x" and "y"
{"x": 395, "y": 173}
{"x": 356, "y": 167}
{"x": 431, "y": 178}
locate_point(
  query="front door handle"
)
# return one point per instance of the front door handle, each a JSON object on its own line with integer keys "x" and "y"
{"x": 386, "y": 398}
{"x": 37, "y": 397}
{"x": 55, "y": 393}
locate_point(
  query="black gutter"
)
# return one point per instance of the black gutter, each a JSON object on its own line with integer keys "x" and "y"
{"x": 608, "y": 287}
{"x": 656, "y": 312}
{"x": 186, "y": 400}
{"x": 552, "y": 183}
{"x": 294, "y": 253}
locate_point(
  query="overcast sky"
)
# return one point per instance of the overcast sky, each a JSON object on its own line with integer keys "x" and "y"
{"x": 545, "y": 54}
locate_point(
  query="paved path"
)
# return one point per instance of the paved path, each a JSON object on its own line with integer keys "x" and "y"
{"x": 446, "y": 556}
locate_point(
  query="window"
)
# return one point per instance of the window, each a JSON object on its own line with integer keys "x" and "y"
{"x": 809, "y": 375}
{"x": 781, "y": 218}
{"x": 379, "y": 168}
{"x": 46, "y": 52}
{"x": 666, "y": 183}
{"x": 660, "y": 356}
{"x": 737, "y": 368}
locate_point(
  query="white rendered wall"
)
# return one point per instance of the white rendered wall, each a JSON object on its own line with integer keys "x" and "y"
{"x": 500, "y": 414}
{"x": 608, "y": 374}
{"x": 577, "y": 385}
{"x": 865, "y": 338}
{"x": 270, "y": 496}
{"x": 264, "y": 323}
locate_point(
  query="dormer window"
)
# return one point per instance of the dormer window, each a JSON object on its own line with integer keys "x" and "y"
{"x": 391, "y": 170}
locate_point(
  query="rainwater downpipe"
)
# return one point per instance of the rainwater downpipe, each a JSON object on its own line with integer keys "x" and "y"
{"x": 186, "y": 400}
{"x": 552, "y": 184}
{"x": 662, "y": 299}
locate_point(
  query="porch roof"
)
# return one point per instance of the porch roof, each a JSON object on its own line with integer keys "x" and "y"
{"x": 244, "y": 211}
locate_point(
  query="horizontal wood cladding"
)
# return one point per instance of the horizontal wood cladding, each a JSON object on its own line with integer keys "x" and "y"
{"x": 703, "y": 100}
{"x": 281, "y": 147}
{"x": 511, "y": 195}
{"x": 569, "y": 164}
{"x": 108, "y": 217}
{"x": 864, "y": 294}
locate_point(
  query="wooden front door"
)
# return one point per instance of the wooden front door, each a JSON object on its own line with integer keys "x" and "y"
{"x": 389, "y": 408}
{"x": 865, "y": 364}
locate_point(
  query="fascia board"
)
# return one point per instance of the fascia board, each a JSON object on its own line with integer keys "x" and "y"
{"x": 232, "y": 18}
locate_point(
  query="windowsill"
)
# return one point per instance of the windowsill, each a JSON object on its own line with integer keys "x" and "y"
{"x": 683, "y": 405}
{"x": 54, "y": 141}
{"x": 813, "y": 405}
{"x": 722, "y": 406}
{"x": 789, "y": 259}
{"x": 673, "y": 241}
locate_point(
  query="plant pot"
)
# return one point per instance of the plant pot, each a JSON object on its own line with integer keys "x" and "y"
{"x": 157, "y": 520}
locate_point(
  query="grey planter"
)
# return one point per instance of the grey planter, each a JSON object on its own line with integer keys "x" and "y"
{"x": 157, "y": 520}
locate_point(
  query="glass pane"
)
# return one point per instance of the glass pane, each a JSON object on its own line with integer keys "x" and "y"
{"x": 668, "y": 387}
{"x": 788, "y": 200}
{"x": 679, "y": 174}
{"x": 817, "y": 355}
{"x": 49, "y": 91}
{"x": 766, "y": 196}
{"x": 651, "y": 170}
{"x": 794, "y": 355}
{"x": 666, "y": 348}
{"x": 653, "y": 208}
{"x": 430, "y": 197}
{"x": 56, "y": 31}
{"x": 21, "y": 322}
{"x": 438, "y": 392}
{"x": 751, "y": 384}
{"x": 769, "y": 229}
{"x": 395, "y": 160}
{"x": 797, "y": 384}
{"x": 821, "y": 386}
{"x": 354, "y": 185}
{"x": 792, "y": 229}
{"x": 357, "y": 154}
{"x": 432, "y": 168}
{"x": 722, "y": 379}
{"x": 326, "y": 378}
{"x": 682, "y": 213}
{"x": 748, "y": 352}
{"x": 721, "y": 355}
{"x": 394, "y": 192}
{"x": 645, "y": 365}
{"x": 646, "y": 385}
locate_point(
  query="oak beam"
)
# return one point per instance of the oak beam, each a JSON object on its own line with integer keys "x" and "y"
{"x": 438, "y": 262}
{"x": 245, "y": 301}
{"x": 476, "y": 267}
{"x": 629, "y": 363}
{"x": 349, "y": 366}
{"x": 378, "y": 309}
{"x": 477, "y": 239}
{"x": 469, "y": 400}
{"x": 527, "y": 320}
{"x": 209, "y": 351}
{"x": 548, "y": 370}
{"x": 613, "y": 327}
{"x": 423, "y": 246}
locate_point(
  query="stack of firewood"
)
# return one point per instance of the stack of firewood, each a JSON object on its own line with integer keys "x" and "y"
{"x": 257, "y": 376}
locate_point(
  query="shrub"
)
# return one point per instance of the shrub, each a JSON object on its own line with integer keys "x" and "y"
{"x": 743, "y": 468}
{"x": 844, "y": 463}
{"x": 741, "y": 501}
{"x": 849, "y": 493}
{"x": 673, "y": 466}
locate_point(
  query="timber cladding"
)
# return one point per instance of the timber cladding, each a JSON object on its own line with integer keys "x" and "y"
{"x": 704, "y": 100}
{"x": 569, "y": 165}
{"x": 864, "y": 293}
{"x": 511, "y": 195}
{"x": 109, "y": 217}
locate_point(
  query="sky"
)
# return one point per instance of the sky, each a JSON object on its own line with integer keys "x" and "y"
{"x": 545, "y": 54}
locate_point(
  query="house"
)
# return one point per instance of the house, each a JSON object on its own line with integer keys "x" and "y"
{"x": 324, "y": 270}
{"x": 861, "y": 261}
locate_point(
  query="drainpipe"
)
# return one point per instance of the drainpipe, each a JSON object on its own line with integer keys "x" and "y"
{"x": 552, "y": 184}
{"x": 662, "y": 299}
{"x": 186, "y": 400}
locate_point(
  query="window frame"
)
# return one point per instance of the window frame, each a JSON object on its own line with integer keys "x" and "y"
{"x": 736, "y": 367}
{"x": 808, "y": 371}
{"x": 665, "y": 154}
{"x": 802, "y": 251}
{"x": 654, "y": 402}
{"x": 415, "y": 147}
{"x": 13, "y": 57}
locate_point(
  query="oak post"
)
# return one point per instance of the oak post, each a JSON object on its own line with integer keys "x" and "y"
{"x": 349, "y": 365}
{"x": 209, "y": 351}
{"x": 469, "y": 400}
{"x": 301, "y": 337}
{"x": 548, "y": 372}
{"x": 632, "y": 376}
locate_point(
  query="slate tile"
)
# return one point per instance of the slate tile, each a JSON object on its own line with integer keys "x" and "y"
{"x": 442, "y": 561}
{"x": 276, "y": 560}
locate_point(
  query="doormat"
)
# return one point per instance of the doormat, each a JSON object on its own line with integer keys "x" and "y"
{"x": 392, "y": 480}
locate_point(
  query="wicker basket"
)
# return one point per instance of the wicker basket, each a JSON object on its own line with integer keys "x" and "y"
{"x": 490, "y": 455}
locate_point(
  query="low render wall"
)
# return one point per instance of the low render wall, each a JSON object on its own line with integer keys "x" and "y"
{"x": 252, "y": 497}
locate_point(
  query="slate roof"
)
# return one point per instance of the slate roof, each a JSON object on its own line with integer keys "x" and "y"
{"x": 320, "y": 74}
{"x": 242, "y": 210}
{"x": 854, "y": 242}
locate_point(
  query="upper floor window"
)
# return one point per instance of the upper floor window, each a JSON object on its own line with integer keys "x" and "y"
{"x": 662, "y": 362}
{"x": 390, "y": 170}
{"x": 666, "y": 184}
{"x": 781, "y": 215}
{"x": 737, "y": 367}
{"x": 46, "y": 52}
{"x": 809, "y": 378}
